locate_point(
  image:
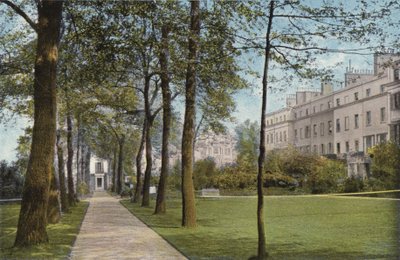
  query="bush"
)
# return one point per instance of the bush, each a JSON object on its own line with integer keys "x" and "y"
{"x": 204, "y": 172}
{"x": 126, "y": 191}
{"x": 353, "y": 185}
{"x": 83, "y": 188}
{"x": 326, "y": 176}
{"x": 11, "y": 181}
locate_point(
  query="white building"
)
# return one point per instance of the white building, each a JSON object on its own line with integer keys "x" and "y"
{"x": 100, "y": 174}
{"x": 363, "y": 113}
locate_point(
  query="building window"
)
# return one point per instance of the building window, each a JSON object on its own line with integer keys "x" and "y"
{"x": 321, "y": 129}
{"x": 301, "y": 133}
{"x": 284, "y": 136}
{"x": 356, "y": 145}
{"x": 295, "y": 134}
{"x": 301, "y": 113}
{"x": 338, "y": 148}
{"x": 368, "y": 120}
{"x": 295, "y": 115}
{"x": 330, "y": 127}
{"x": 355, "y": 96}
{"x": 99, "y": 167}
{"x": 272, "y": 138}
{"x": 227, "y": 151}
{"x": 396, "y": 101}
{"x": 369, "y": 141}
{"x": 397, "y": 74}
{"x": 315, "y": 130}
{"x": 276, "y": 137}
{"x": 314, "y": 109}
{"x": 322, "y": 149}
{"x": 356, "y": 120}
{"x": 346, "y": 123}
{"x": 382, "y": 89}
{"x": 308, "y": 134}
{"x": 346, "y": 99}
{"x": 215, "y": 150}
{"x": 284, "y": 118}
{"x": 383, "y": 114}
{"x": 338, "y": 102}
{"x": 315, "y": 148}
{"x": 280, "y": 137}
{"x": 330, "y": 149}
{"x": 347, "y": 147}
{"x": 329, "y": 104}
{"x": 337, "y": 125}
{"x": 368, "y": 92}
{"x": 381, "y": 138}
{"x": 280, "y": 118}
{"x": 321, "y": 107}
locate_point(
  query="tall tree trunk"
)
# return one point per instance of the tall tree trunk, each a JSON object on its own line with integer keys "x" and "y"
{"x": 149, "y": 157}
{"x": 53, "y": 209}
{"x": 114, "y": 168}
{"x": 86, "y": 167}
{"x": 61, "y": 175}
{"x": 262, "y": 253}
{"x": 33, "y": 215}
{"x": 139, "y": 156}
{"x": 166, "y": 96}
{"x": 70, "y": 156}
{"x": 79, "y": 179}
{"x": 188, "y": 199}
{"x": 121, "y": 142}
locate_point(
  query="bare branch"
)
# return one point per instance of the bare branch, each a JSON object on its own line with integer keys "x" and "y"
{"x": 22, "y": 14}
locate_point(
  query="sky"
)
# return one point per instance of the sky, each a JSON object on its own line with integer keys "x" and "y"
{"x": 248, "y": 101}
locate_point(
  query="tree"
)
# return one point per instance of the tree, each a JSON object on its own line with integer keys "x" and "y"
{"x": 385, "y": 165}
{"x": 61, "y": 174}
{"x": 33, "y": 215}
{"x": 188, "y": 199}
{"x": 247, "y": 146}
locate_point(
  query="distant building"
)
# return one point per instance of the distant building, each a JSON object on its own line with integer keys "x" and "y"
{"x": 222, "y": 148}
{"x": 100, "y": 174}
{"x": 350, "y": 120}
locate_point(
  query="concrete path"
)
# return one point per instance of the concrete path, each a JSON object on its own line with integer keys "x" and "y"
{"x": 110, "y": 231}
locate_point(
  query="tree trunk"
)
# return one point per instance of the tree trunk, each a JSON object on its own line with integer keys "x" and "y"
{"x": 139, "y": 156}
{"x": 188, "y": 199}
{"x": 33, "y": 215}
{"x": 114, "y": 169}
{"x": 149, "y": 162}
{"x": 86, "y": 167}
{"x": 70, "y": 156}
{"x": 262, "y": 253}
{"x": 79, "y": 179}
{"x": 61, "y": 175}
{"x": 166, "y": 96}
{"x": 53, "y": 209}
{"x": 121, "y": 142}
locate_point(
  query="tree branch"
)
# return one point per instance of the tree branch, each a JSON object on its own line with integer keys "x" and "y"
{"x": 22, "y": 14}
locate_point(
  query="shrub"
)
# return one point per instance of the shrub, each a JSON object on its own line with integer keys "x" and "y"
{"x": 83, "y": 188}
{"x": 326, "y": 176}
{"x": 353, "y": 185}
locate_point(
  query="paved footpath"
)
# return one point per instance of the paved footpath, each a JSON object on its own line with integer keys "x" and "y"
{"x": 110, "y": 231}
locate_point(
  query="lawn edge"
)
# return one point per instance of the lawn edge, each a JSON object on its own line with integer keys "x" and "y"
{"x": 141, "y": 220}
{"x": 79, "y": 230}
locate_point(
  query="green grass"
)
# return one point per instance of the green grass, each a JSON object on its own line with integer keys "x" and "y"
{"x": 61, "y": 235}
{"x": 297, "y": 227}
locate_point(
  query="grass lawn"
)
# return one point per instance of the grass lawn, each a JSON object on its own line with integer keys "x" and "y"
{"x": 297, "y": 227}
{"x": 61, "y": 235}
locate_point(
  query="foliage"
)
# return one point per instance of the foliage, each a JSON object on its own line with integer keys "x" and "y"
{"x": 203, "y": 173}
{"x": 327, "y": 176}
{"x": 11, "y": 181}
{"x": 247, "y": 146}
{"x": 385, "y": 165}
{"x": 83, "y": 188}
{"x": 353, "y": 184}
{"x": 298, "y": 227}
